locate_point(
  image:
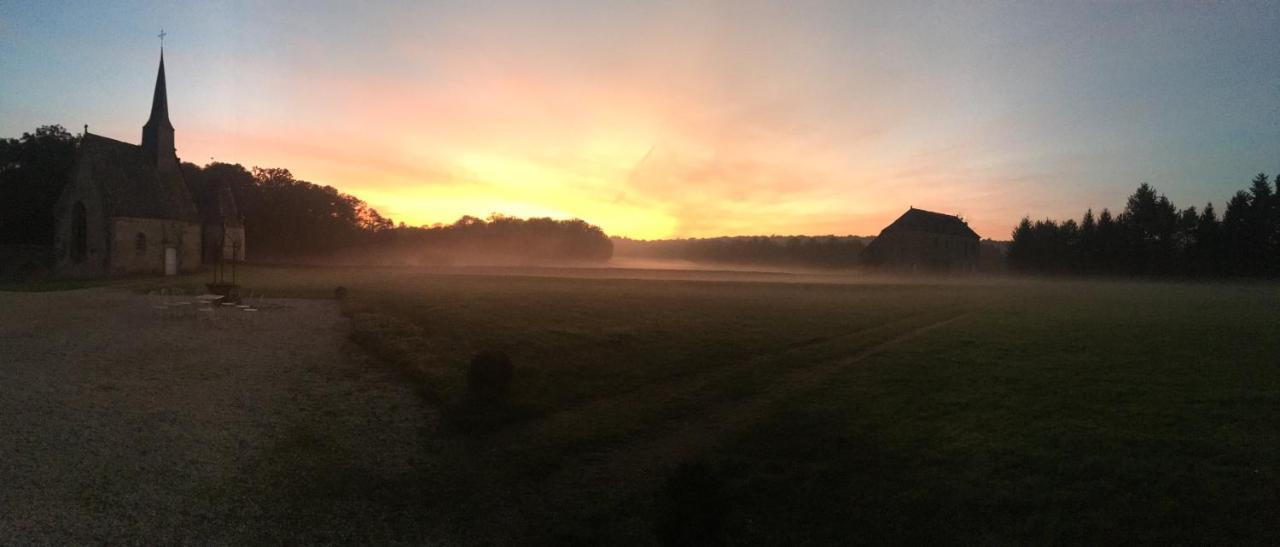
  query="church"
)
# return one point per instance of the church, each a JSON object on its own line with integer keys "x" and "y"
{"x": 127, "y": 209}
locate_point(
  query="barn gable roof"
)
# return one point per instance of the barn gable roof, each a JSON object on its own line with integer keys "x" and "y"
{"x": 920, "y": 220}
{"x": 133, "y": 186}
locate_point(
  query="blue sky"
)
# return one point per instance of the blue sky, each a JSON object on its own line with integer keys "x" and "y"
{"x": 655, "y": 119}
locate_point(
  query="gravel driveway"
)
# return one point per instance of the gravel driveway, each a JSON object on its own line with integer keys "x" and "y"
{"x": 119, "y": 424}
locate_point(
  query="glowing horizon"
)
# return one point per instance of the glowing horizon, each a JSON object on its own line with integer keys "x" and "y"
{"x": 666, "y": 120}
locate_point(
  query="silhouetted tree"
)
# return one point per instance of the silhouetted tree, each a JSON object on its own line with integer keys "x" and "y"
{"x": 1109, "y": 248}
{"x": 1235, "y": 228}
{"x": 286, "y": 217}
{"x": 1088, "y": 242}
{"x": 1260, "y": 226}
{"x": 497, "y": 240}
{"x": 1149, "y": 220}
{"x": 34, "y": 169}
{"x": 1153, "y": 237}
{"x": 827, "y": 251}
{"x": 1204, "y": 253}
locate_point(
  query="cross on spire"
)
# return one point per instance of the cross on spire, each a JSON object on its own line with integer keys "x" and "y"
{"x": 161, "y": 36}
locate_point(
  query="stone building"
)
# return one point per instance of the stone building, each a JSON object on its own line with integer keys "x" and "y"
{"x": 223, "y": 227}
{"x": 127, "y": 208}
{"x": 924, "y": 240}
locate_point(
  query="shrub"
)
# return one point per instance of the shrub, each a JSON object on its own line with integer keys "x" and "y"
{"x": 489, "y": 378}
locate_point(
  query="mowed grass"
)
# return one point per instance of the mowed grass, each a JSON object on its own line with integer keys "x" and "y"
{"x": 827, "y": 412}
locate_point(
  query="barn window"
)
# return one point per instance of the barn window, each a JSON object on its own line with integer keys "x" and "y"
{"x": 140, "y": 244}
{"x": 79, "y": 233}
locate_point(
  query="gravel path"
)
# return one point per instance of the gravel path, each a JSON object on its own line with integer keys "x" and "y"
{"x": 121, "y": 425}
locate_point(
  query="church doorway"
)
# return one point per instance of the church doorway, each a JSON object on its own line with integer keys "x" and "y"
{"x": 171, "y": 261}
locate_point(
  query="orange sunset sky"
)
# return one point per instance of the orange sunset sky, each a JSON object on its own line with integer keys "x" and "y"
{"x": 684, "y": 119}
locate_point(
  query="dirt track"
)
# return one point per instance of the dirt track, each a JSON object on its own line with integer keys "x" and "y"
{"x": 122, "y": 424}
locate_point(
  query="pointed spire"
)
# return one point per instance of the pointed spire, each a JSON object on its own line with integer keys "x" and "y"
{"x": 157, "y": 134}
{"x": 160, "y": 101}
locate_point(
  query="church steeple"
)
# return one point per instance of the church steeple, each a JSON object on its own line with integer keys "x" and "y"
{"x": 157, "y": 134}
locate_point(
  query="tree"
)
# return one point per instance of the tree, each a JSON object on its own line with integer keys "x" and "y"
{"x": 1260, "y": 190}
{"x": 33, "y": 171}
{"x": 1153, "y": 237}
{"x": 1149, "y": 221}
{"x": 1205, "y": 251}
{"x": 1184, "y": 234}
{"x": 1235, "y": 234}
{"x": 1088, "y": 242}
{"x": 1261, "y": 226}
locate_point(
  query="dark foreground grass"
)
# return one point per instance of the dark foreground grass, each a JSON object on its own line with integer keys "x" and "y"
{"x": 1110, "y": 414}
{"x": 758, "y": 411}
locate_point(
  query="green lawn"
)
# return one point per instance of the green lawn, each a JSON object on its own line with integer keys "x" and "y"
{"x": 961, "y": 412}
{"x": 753, "y": 409}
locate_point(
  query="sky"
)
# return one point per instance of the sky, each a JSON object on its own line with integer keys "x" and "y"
{"x": 660, "y": 119}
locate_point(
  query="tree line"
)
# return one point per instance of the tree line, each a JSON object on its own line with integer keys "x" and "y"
{"x": 827, "y": 251}
{"x": 290, "y": 219}
{"x": 286, "y": 218}
{"x": 1153, "y": 237}
{"x": 497, "y": 239}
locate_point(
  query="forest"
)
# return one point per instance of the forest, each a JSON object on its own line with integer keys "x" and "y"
{"x": 791, "y": 251}
{"x": 289, "y": 219}
{"x": 1153, "y": 237}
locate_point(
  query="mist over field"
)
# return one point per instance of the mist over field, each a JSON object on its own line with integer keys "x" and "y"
{"x": 596, "y": 272}
{"x": 647, "y": 403}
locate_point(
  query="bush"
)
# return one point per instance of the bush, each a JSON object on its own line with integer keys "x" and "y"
{"x": 487, "y": 405}
{"x": 489, "y": 378}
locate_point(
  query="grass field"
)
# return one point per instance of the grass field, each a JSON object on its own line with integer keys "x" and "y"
{"x": 752, "y": 408}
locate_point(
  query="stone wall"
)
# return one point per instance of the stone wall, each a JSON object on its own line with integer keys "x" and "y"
{"x": 138, "y": 244}
{"x": 233, "y": 245}
{"x": 96, "y": 258}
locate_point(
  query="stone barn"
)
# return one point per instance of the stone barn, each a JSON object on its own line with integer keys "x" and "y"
{"x": 924, "y": 240}
{"x": 127, "y": 208}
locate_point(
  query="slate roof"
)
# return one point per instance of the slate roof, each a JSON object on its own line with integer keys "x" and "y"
{"x": 920, "y": 220}
{"x": 132, "y": 186}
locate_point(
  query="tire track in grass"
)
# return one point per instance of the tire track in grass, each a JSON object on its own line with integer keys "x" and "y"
{"x": 627, "y": 411}
{"x": 609, "y": 473}
{"x": 634, "y": 467}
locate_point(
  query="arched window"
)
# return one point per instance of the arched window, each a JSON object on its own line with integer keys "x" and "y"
{"x": 140, "y": 244}
{"x": 79, "y": 233}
